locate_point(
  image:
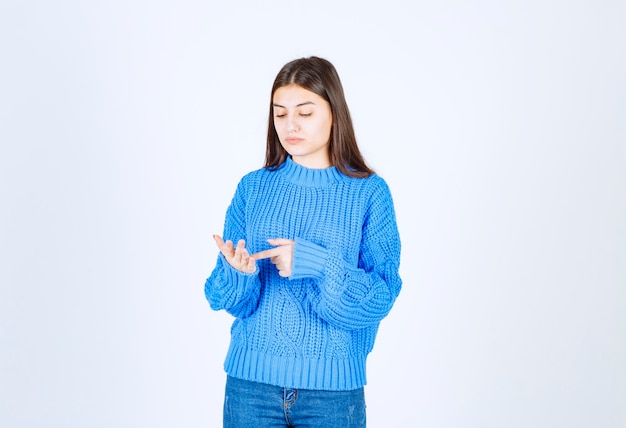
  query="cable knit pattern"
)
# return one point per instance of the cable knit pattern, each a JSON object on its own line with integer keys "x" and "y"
{"x": 314, "y": 329}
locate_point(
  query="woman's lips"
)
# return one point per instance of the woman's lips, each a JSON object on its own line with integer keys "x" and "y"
{"x": 293, "y": 140}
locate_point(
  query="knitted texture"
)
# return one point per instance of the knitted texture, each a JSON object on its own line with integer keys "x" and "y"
{"x": 314, "y": 329}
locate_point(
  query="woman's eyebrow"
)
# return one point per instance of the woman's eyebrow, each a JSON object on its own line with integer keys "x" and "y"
{"x": 299, "y": 105}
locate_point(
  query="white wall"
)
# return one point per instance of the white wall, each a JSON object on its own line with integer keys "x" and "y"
{"x": 500, "y": 127}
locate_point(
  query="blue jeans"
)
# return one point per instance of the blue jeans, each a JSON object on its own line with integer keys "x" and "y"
{"x": 258, "y": 405}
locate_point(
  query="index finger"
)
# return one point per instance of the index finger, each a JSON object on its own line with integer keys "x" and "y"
{"x": 266, "y": 254}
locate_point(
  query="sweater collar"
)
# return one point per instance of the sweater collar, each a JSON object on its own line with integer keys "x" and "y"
{"x": 310, "y": 177}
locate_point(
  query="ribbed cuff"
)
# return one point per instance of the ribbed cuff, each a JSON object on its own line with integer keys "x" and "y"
{"x": 309, "y": 260}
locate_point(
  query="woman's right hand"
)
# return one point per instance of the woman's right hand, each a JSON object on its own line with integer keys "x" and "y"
{"x": 238, "y": 257}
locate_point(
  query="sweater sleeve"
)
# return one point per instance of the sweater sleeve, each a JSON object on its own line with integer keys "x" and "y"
{"x": 353, "y": 297}
{"x": 228, "y": 288}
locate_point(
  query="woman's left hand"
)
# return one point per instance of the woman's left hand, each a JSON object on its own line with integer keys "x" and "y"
{"x": 281, "y": 256}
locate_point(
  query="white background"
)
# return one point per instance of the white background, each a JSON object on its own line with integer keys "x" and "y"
{"x": 500, "y": 127}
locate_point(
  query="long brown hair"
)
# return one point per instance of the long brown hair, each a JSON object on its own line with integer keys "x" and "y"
{"x": 319, "y": 76}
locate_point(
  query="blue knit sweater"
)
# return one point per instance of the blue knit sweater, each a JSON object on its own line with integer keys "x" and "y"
{"x": 314, "y": 329}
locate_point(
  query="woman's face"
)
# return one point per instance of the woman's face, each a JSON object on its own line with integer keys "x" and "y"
{"x": 303, "y": 121}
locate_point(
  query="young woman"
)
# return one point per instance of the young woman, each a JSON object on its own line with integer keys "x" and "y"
{"x": 315, "y": 265}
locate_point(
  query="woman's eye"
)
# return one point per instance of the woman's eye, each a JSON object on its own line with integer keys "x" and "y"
{"x": 279, "y": 116}
{"x": 305, "y": 114}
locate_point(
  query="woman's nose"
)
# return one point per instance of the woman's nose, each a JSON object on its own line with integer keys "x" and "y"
{"x": 292, "y": 125}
